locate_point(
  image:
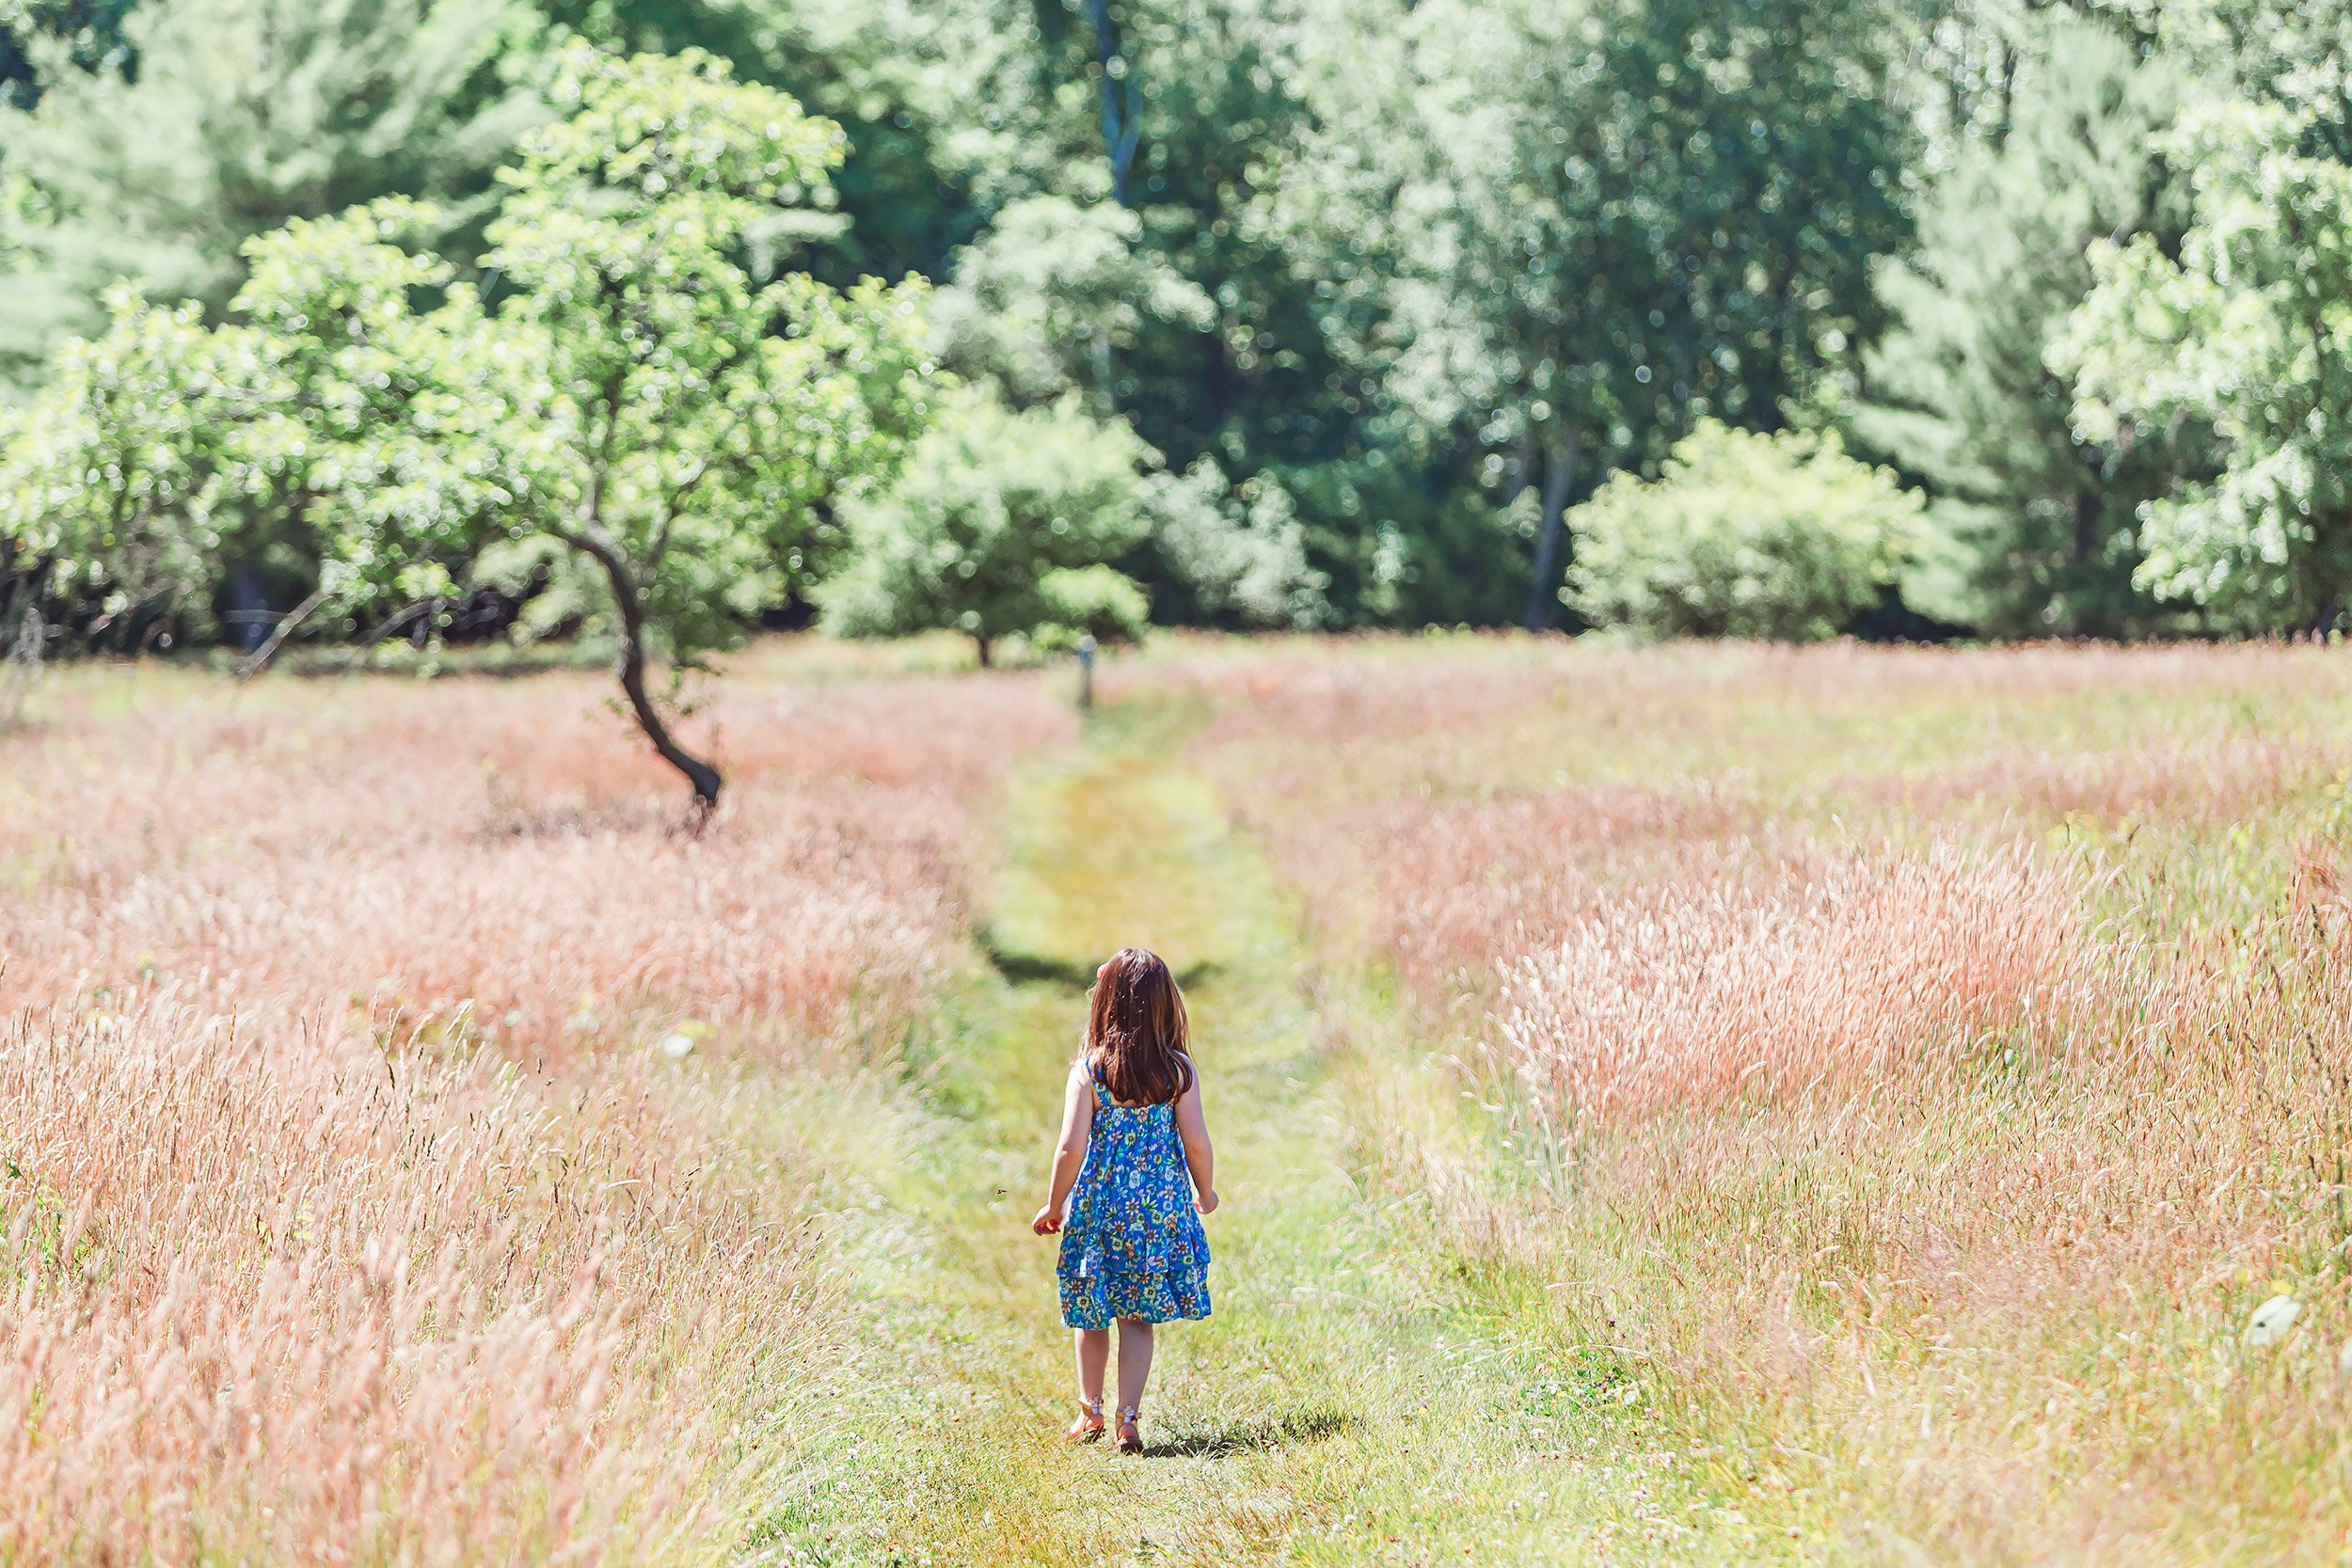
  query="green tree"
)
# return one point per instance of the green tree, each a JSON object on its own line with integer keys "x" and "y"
{"x": 1778, "y": 537}
{"x": 951, "y": 112}
{"x": 1959, "y": 391}
{"x": 367, "y": 436}
{"x": 241, "y": 114}
{"x": 1004, "y": 524}
{"x": 1188, "y": 108}
{"x": 1400, "y": 512}
{"x": 950, "y": 105}
{"x": 41, "y": 38}
{"x": 328, "y": 413}
{"x": 1235, "y": 554}
{"x": 1042, "y": 303}
{"x": 108, "y": 481}
{"x": 1610, "y": 219}
{"x": 2248, "y": 330}
{"x": 2290, "y": 53}
{"x": 639, "y": 398}
{"x": 683, "y": 426}
{"x": 1196, "y": 100}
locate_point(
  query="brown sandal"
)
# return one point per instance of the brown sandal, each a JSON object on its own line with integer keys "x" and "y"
{"x": 1129, "y": 1433}
{"x": 1088, "y": 1426}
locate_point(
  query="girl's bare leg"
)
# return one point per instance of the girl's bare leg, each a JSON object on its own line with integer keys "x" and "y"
{"x": 1094, "y": 1355}
{"x": 1135, "y": 1366}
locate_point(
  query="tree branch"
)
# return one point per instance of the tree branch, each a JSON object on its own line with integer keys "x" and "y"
{"x": 258, "y": 659}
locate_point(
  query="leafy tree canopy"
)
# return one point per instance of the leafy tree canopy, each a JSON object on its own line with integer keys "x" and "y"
{"x": 1608, "y": 220}
{"x": 108, "y": 478}
{"x": 638, "y": 396}
{"x": 241, "y": 115}
{"x": 1044, "y": 304}
{"x": 2248, "y": 330}
{"x": 998, "y": 513}
{"x": 42, "y": 38}
{"x": 1237, "y": 555}
{"x": 1960, "y": 392}
{"x": 1386, "y": 286}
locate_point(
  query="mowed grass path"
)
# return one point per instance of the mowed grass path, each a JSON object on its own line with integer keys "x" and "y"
{"x": 1348, "y": 1401}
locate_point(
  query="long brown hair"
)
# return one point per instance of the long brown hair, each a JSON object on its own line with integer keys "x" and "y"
{"x": 1137, "y": 1040}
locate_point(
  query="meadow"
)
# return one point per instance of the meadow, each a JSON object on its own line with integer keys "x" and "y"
{"x": 1920, "y": 1074}
{"x": 387, "y": 1095}
{"x": 1689, "y": 1102}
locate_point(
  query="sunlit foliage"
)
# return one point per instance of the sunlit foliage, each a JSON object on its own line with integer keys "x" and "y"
{"x": 1743, "y": 536}
{"x": 638, "y": 396}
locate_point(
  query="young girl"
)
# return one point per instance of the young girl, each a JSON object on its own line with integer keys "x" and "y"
{"x": 1132, "y": 1248}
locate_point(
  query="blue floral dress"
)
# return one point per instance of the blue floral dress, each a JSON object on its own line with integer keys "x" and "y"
{"x": 1131, "y": 1245}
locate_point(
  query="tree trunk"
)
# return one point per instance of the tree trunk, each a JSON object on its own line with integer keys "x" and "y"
{"x": 2089, "y": 507}
{"x": 1543, "y": 595}
{"x": 1123, "y": 99}
{"x": 986, "y": 650}
{"x": 1522, "y": 470}
{"x": 632, "y": 670}
{"x": 2008, "y": 98}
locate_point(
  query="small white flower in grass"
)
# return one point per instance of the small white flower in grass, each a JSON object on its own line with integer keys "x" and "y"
{"x": 2344, "y": 1359}
{"x": 677, "y": 1043}
{"x": 2272, "y": 1319}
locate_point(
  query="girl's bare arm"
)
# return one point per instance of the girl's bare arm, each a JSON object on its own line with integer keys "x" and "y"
{"x": 1070, "y": 1151}
{"x": 1192, "y": 1126}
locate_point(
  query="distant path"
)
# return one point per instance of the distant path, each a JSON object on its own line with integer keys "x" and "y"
{"x": 1343, "y": 1404}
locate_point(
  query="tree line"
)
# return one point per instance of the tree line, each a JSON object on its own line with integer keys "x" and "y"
{"x": 1780, "y": 317}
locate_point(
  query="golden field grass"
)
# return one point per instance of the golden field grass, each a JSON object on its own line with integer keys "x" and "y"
{"x": 1917, "y": 1067}
{"x": 354, "y": 1210}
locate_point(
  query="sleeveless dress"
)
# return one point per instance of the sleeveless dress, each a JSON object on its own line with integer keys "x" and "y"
{"x": 1131, "y": 1245}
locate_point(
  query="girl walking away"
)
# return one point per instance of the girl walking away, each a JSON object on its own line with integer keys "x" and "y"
{"x": 1133, "y": 1251}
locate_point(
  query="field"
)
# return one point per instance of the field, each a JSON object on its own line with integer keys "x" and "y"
{"x": 1691, "y": 1103}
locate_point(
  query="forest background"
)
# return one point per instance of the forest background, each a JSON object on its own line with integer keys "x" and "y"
{"x": 1917, "y": 318}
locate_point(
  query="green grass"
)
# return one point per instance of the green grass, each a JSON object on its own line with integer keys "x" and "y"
{"x": 1353, "y": 1399}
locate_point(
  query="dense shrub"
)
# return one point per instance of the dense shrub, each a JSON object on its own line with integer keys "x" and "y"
{"x": 998, "y": 513}
{"x": 1778, "y": 537}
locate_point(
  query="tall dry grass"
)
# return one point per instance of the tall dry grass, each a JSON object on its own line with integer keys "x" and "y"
{"x": 1918, "y": 1068}
{"x": 413, "y": 850}
{"x": 296, "y": 1300}
{"x": 1742, "y": 983}
{"x": 351, "y": 1208}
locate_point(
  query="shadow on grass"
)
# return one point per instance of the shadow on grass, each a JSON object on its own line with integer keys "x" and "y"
{"x": 1039, "y": 969}
{"x": 1035, "y": 969}
{"x": 1220, "y": 1442}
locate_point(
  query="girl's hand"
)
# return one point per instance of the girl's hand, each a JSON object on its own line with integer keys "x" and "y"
{"x": 1048, "y": 1221}
{"x": 1205, "y": 1202}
